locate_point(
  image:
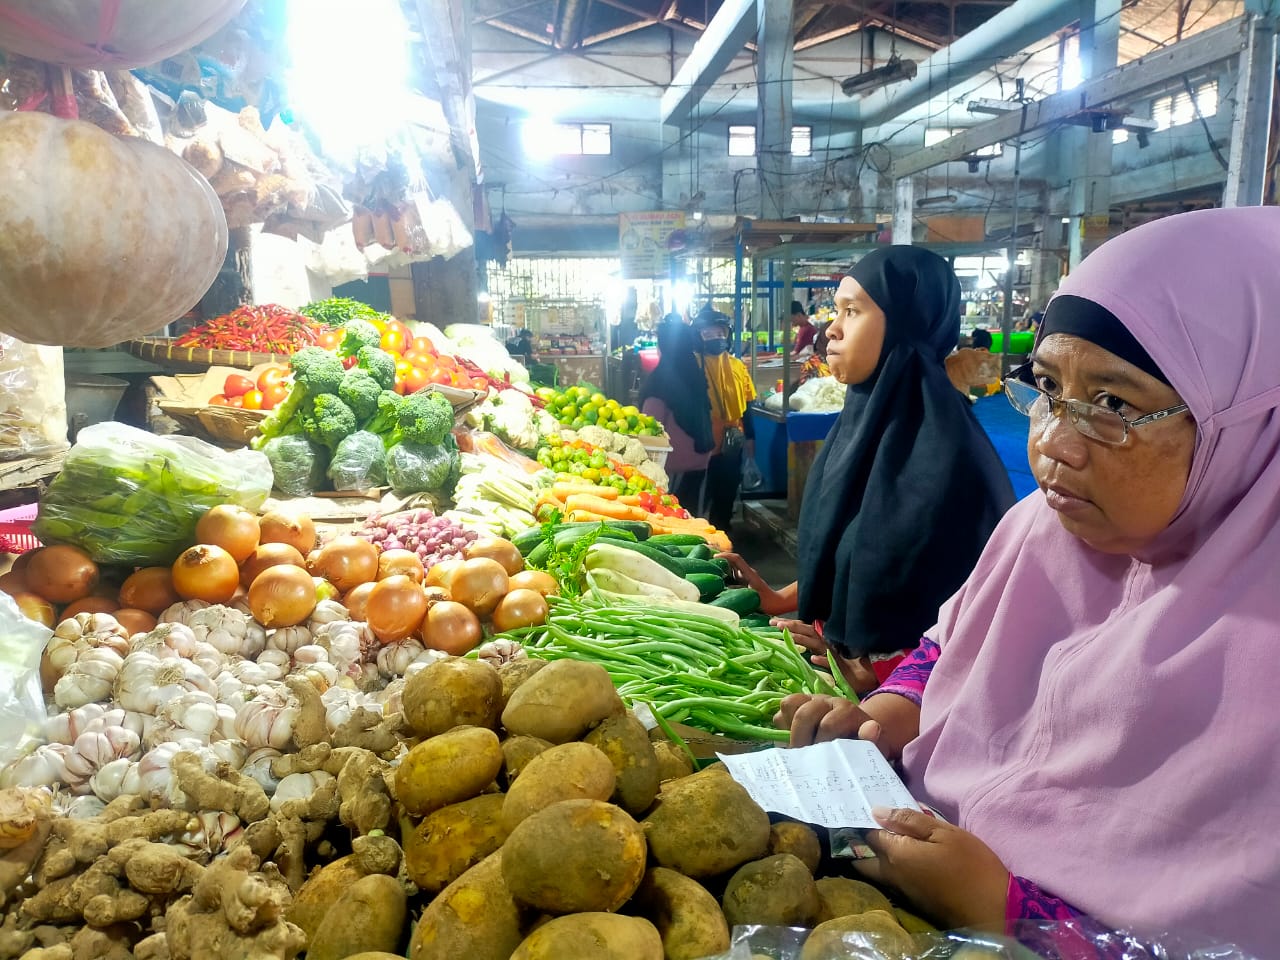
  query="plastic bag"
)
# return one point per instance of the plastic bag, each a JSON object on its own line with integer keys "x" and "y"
{"x": 131, "y": 498}
{"x": 358, "y": 463}
{"x": 22, "y": 712}
{"x": 297, "y": 465}
{"x": 33, "y": 408}
{"x": 752, "y": 478}
{"x": 417, "y": 468}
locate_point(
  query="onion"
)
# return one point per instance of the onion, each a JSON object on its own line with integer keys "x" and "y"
{"x": 22, "y": 560}
{"x": 401, "y": 563}
{"x": 88, "y": 605}
{"x": 134, "y": 620}
{"x": 149, "y": 589}
{"x": 479, "y": 584}
{"x": 37, "y": 608}
{"x": 495, "y": 548}
{"x": 205, "y": 572}
{"x": 14, "y": 582}
{"x": 232, "y": 528}
{"x": 357, "y": 600}
{"x": 266, "y": 556}
{"x": 436, "y": 595}
{"x": 297, "y": 530}
{"x": 347, "y": 562}
{"x": 395, "y": 608}
{"x": 441, "y": 573}
{"x": 451, "y": 627}
{"x": 520, "y": 608}
{"x": 61, "y": 574}
{"x": 544, "y": 583}
{"x": 282, "y": 596}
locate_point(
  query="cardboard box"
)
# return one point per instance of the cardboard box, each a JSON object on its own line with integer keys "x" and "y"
{"x": 185, "y": 398}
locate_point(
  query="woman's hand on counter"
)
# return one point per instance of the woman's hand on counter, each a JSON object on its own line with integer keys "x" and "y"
{"x": 858, "y": 672}
{"x": 887, "y": 720}
{"x": 947, "y": 872}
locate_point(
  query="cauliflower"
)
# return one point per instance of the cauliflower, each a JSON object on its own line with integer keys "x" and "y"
{"x": 655, "y": 473}
{"x": 634, "y": 452}
{"x": 597, "y": 437}
{"x": 511, "y": 415}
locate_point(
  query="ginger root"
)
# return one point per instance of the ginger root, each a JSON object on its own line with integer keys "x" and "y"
{"x": 377, "y": 853}
{"x": 370, "y": 730}
{"x": 226, "y": 789}
{"x": 310, "y": 727}
{"x": 308, "y": 760}
{"x": 362, "y": 788}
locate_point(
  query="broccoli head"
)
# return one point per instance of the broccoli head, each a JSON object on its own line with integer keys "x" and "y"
{"x": 358, "y": 334}
{"x": 422, "y": 468}
{"x": 328, "y": 421}
{"x": 378, "y": 364}
{"x": 317, "y": 371}
{"x": 360, "y": 392}
{"x": 426, "y": 417}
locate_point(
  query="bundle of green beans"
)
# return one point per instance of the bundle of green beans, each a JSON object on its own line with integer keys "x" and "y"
{"x": 687, "y": 668}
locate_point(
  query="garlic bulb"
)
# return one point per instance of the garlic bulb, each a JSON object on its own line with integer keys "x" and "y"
{"x": 110, "y": 779}
{"x": 267, "y": 720}
{"x": 89, "y": 678}
{"x": 321, "y": 675}
{"x": 232, "y": 690}
{"x": 254, "y": 674}
{"x": 117, "y": 717}
{"x": 156, "y": 782}
{"x": 46, "y": 765}
{"x": 298, "y": 786}
{"x": 394, "y": 658}
{"x": 241, "y": 605}
{"x": 65, "y": 727}
{"x": 258, "y": 766}
{"x": 214, "y": 832}
{"x": 182, "y": 611}
{"x": 498, "y": 652}
{"x": 226, "y": 728}
{"x": 288, "y": 639}
{"x": 278, "y": 659}
{"x": 311, "y": 653}
{"x": 85, "y": 807}
{"x": 232, "y": 752}
{"x": 177, "y": 638}
{"x": 327, "y": 611}
{"x": 339, "y": 705}
{"x": 93, "y": 751}
{"x": 390, "y": 697}
{"x": 83, "y": 632}
{"x": 21, "y": 810}
{"x": 228, "y": 630}
{"x": 195, "y": 710}
{"x": 147, "y": 681}
{"x": 208, "y": 658}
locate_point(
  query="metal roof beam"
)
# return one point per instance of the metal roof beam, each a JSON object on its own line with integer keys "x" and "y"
{"x": 725, "y": 37}
{"x": 1211, "y": 46}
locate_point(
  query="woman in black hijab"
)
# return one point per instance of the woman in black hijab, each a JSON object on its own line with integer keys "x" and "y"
{"x": 908, "y": 487}
{"x": 676, "y": 395}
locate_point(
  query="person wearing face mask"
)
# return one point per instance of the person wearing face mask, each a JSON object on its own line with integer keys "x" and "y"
{"x": 907, "y": 487}
{"x": 1093, "y": 712}
{"x": 730, "y": 389}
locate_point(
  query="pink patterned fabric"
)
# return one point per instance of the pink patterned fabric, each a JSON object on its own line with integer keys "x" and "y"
{"x": 1107, "y": 724}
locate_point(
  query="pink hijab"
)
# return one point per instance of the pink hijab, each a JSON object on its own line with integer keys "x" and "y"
{"x": 1109, "y": 725}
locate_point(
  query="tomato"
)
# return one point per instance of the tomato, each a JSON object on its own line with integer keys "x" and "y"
{"x": 379, "y": 324}
{"x": 401, "y": 328}
{"x": 237, "y": 385}
{"x": 218, "y": 400}
{"x": 274, "y": 395}
{"x": 479, "y": 383}
{"x": 403, "y": 369}
{"x": 271, "y": 377}
{"x": 441, "y": 376}
{"x": 252, "y": 400}
{"x": 422, "y": 345}
{"x": 448, "y": 362}
{"x": 235, "y": 401}
{"x": 393, "y": 341}
{"x": 329, "y": 340}
{"x": 401, "y": 386}
{"x": 424, "y": 360}
{"x": 348, "y": 362}
{"x": 416, "y": 379}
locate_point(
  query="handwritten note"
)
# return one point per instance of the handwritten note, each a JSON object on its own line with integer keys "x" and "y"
{"x": 830, "y": 784}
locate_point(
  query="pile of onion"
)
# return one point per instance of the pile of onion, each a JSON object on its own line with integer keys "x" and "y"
{"x": 232, "y": 528}
{"x": 346, "y": 562}
{"x": 282, "y": 596}
{"x": 206, "y": 572}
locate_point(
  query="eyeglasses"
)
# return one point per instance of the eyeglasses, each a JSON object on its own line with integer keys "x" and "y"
{"x": 1091, "y": 420}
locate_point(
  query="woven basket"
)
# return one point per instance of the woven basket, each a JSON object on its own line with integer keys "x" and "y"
{"x": 162, "y": 351}
{"x": 225, "y": 426}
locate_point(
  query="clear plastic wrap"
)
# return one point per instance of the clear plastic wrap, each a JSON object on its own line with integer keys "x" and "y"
{"x": 297, "y": 465}
{"x": 1030, "y": 940}
{"x": 129, "y": 497}
{"x": 22, "y": 712}
{"x": 33, "y": 409}
{"x": 358, "y": 463}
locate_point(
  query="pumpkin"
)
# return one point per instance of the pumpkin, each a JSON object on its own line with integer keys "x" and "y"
{"x": 110, "y": 34}
{"x": 101, "y": 239}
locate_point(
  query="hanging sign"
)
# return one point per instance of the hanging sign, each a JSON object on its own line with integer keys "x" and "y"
{"x": 644, "y": 243}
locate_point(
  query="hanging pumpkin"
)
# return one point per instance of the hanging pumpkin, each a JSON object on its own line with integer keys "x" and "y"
{"x": 101, "y": 239}
{"x": 109, "y": 34}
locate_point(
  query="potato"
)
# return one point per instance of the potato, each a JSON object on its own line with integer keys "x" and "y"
{"x": 687, "y": 916}
{"x": 452, "y": 693}
{"x": 796, "y": 838}
{"x": 571, "y": 771}
{"x": 673, "y": 763}
{"x": 321, "y": 892}
{"x": 518, "y": 751}
{"x": 876, "y": 932}
{"x": 450, "y": 768}
{"x": 844, "y": 897}
{"x": 369, "y": 916}
{"x": 474, "y": 917}
{"x": 625, "y": 741}
{"x": 515, "y": 672}
{"x": 452, "y": 840}
{"x": 576, "y": 856}
{"x": 592, "y": 936}
{"x": 777, "y": 891}
{"x": 561, "y": 702}
{"x": 705, "y": 825}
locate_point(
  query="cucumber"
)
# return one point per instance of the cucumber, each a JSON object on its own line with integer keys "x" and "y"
{"x": 564, "y": 538}
{"x": 526, "y": 540}
{"x": 726, "y": 571}
{"x": 538, "y": 556}
{"x": 709, "y": 585}
{"x": 688, "y": 566}
{"x": 677, "y": 540}
{"x": 756, "y": 620}
{"x": 660, "y": 557}
{"x": 741, "y": 600}
{"x": 701, "y": 552}
{"x": 670, "y": 550}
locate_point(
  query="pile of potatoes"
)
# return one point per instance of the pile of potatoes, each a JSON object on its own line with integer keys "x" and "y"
{"x": 540, "y": 822}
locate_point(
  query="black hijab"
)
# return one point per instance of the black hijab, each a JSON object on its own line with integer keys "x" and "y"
{"x": 908, "y": 487}
{"x": 678, "y": 382}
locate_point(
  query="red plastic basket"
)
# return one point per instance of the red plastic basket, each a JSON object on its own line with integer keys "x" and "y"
{"x": 15, "y": 529}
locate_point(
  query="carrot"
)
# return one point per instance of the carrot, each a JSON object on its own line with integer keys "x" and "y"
{"x": 607, "y": 508}
{"x": 565, "y": 489}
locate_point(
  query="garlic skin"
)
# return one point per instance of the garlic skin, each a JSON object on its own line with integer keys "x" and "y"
{"x": 298, "y": 786}
{"x": 276, "y": 659}
{"x": 182, "y": 611}
{"x": 498, "y": 652}
{"x": 89, "y": 678}
{"x": 311, "y": 653}
{"x": 326, "y": 612}
{"x": 46, "y": 765}
{"x": 288, "y": 639}
{"x": 214, "y": 832}
{"x": 390, "y": 698}
{"x": 65, "y": 727}
{"x": 93, "y": 751}
{"x": 228, "y": 630}
{"x": 258, "y": 766}
{"x": 109, "y": 781}
{"x": 195, "y": 710}
{"x": 267, "y": 720}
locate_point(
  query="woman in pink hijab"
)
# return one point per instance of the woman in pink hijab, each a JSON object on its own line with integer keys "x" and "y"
{"x": 1095, "y": 710}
